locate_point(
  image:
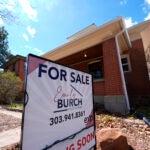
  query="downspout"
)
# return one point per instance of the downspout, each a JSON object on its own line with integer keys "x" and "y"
{"x": 121, "y": 70}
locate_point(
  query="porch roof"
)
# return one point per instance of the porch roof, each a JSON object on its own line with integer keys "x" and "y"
{"x": 95, "y": 37}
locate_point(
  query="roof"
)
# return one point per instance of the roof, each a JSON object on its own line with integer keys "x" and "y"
{"x": 93, "y": 38}
{"x": 82, "y": 33}
{"x": 12, "y": 60}
{"x": 135, "y": 31}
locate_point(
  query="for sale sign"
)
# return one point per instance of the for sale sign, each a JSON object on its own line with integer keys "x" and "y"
{"x": 58, "y": 113}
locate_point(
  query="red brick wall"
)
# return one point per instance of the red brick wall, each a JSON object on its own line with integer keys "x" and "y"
{"x": 137, "y": 80}
{"x": 112, "y": 75}
{"x": 21, "y": 64}
{"x": 99, "y": 88}
{"x": 19, "y": 68}
{"x": 81, "y": 66}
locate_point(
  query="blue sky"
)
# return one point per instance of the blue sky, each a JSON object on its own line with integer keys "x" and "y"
{"x": 43, "y": 25}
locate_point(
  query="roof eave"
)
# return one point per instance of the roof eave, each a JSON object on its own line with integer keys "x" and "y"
{"x": 88, "y": 40}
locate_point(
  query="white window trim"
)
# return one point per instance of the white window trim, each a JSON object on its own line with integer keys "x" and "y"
{"x": 129, "y": 63}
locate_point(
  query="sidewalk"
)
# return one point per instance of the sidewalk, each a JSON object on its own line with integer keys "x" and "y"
{"x": 11, "y": 113}
{"x": 11, "y": 136}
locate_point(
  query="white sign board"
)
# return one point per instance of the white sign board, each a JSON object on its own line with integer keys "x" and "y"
{"x": 58, "y": 114}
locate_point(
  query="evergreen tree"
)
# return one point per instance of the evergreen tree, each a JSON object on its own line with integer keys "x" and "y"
{"x": 4, "y": 53}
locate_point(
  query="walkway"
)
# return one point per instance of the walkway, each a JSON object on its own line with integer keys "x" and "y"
{"x": 11, "y": 113}
{"x": 11, "y": 136}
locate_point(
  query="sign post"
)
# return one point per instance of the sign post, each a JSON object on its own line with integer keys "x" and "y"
{"x": 58, "y": 111}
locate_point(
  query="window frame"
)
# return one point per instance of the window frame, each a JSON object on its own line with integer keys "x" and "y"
{"x": 128, "y": 63}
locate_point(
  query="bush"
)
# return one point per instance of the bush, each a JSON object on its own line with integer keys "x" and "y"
{"x": 10, "y": 86}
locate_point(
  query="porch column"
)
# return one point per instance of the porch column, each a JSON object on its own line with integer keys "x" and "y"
{"x": 114, "y": 99}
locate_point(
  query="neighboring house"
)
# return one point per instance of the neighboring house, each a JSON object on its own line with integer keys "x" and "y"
{"x": 114, "y": 55}
{"x": 16, "y": 64}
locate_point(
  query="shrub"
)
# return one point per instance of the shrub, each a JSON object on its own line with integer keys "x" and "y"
{"x": 10, "y": 86}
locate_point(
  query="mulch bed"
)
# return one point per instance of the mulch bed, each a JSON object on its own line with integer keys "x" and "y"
{"x": 136, "y": 131}
{"x": 8, "y": 122}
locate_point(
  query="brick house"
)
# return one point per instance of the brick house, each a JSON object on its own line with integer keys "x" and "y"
{"x": 115, "y": 56}
{"x": 16, "y": 64}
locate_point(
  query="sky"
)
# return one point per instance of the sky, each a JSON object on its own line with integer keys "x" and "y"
{"x": 42, "y": 25}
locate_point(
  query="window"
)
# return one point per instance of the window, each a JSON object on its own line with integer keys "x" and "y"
{"x": 96, "y": 69}
{"x": 125, "y": 63}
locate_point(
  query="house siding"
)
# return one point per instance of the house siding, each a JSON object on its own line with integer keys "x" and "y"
{"x": 137, "y": 81}
{"x": 112, "y": 75}
{"x": 19, "y": 69}
{"x": 114, "y": 99}
{"x": 109, "y": 90}
{"x": 112, "y": 83}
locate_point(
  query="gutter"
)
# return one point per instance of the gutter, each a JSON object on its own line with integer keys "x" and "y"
{"x": 121, "y": 70}
{"x": 126, "y": 33}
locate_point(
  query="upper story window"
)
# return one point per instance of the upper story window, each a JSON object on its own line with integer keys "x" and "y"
{"x": 96, "y": 69}
{"x": 125, "y": 63}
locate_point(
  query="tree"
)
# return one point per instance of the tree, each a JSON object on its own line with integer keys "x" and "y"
{"x": 4, "y": 53}
{"x": 6, "y": 13}
{"x": 7, "y": 16}
{"x": 10, "y": 87}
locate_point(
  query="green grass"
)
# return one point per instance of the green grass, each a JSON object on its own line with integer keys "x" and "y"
{"x": 15, "y": 106}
